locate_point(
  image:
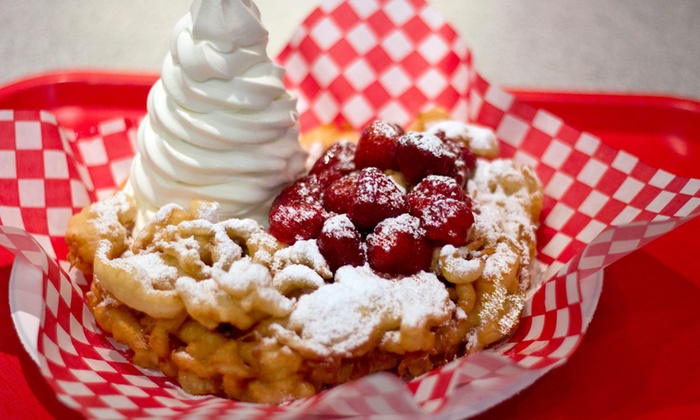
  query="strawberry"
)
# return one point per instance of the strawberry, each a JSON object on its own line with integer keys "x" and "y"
{"x": 421, "y": 154}
{"x": 377, "y": 146}
{"x": 367, "y": 196}
{"x": 306, "y": 189}
{"x": 464, "y": 164}
{"x": 376, "y": 198}
{"x": 445, "y": 220}
{"x": 340, "y": 243}
{"x": 295, "y": 221}
{"x": 439, "y": 185}
{"x": 336, "y": 161}
{"x": 339, "y": 195}
{"x": 397, "y": 246}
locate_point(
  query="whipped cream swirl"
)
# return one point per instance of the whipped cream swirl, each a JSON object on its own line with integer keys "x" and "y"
{"x": 221, "y": 126}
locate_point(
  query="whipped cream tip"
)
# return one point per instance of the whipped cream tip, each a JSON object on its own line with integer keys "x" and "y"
{"x": 227, "y": 24}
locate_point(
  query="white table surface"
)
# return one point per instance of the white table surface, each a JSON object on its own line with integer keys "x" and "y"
{"x": 647, "y": 46}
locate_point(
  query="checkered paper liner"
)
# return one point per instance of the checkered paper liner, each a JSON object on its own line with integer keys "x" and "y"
{"x": 350, "y": 61}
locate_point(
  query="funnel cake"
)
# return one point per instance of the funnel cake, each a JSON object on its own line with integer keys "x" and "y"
{"x": 230, "y": 308}
{"x": 223, "y": 267}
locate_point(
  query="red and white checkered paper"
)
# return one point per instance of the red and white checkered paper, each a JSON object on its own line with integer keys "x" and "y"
{"x": 350, "y": 61}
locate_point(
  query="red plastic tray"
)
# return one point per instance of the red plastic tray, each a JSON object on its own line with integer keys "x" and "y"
{"x": 639, "y": 357}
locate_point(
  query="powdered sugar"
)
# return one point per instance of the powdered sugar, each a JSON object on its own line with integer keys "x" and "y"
{"x": 506, "y": 200}
{"x": 373, "y": 186}
{"x": 109, "y": 213}
{"x": 500, "y": 262}
{"x": 503, "y": 203}
{"x": 291, "y": 213}
{"x": 151, "y": 270}
{"x": 480, "y": 140}
{"x": 339, "y": 226}
{"x": 425, "y": 141}
{"x": 404, "y": 224}
{"x": 349, "y": 316}
{"x": 304, "y": 253}
{"x": 384, "y": 129}
{"x": 252, "y": 286}
{"x": 297, "y": 277}
{"x": 208, "y": 211}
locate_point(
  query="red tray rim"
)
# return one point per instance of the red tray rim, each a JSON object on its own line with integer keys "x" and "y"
{"x": 144, "y": 78}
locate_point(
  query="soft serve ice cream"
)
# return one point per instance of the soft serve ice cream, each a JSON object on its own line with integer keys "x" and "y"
{"x": 221, "y": 125}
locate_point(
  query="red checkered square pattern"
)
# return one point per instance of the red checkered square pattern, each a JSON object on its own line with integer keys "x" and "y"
{"x": 350, "y": 61}
{"x": 379, "y": 59}
{"x": 47, "y": 174}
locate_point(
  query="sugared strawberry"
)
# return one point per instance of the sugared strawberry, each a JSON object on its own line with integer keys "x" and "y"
{"x": 440, "y": 185}
{"x": 336, "y": 161}
{"x": 306, "y": 190}
{"x": 445, "y": 220}
{"x": 397, "y": 246}
{"x": 332, "y": 174}
{"x": 339, "y": 195}
{"x": 376, "y": 198}
{"x": 295, "y": 221}
{"x": 460, "y": 172}
{"x": 464, "y": 164}
{"x": 377, "y": 146}
{"x": 421, "y": 154}
{"x": 340, "y": 243}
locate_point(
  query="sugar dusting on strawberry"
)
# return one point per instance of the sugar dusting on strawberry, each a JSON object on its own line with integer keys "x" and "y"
{"x": 294, "y": 222}
{"x": 443, "y": 186}
{"x": 377, "y": 198}
{"x": 421, "y": 154}
{"x": 377, "y": 146}
{"x": 340, "y": 195}
{"x": 398, "y": 246}
{"x": 445, "y": 220}
{"x": 340, "y": 243}
{"x": 338, "y": 160}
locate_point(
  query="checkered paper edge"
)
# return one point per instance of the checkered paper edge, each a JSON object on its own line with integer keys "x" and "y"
{"x": 47, "y": 173}
{"x": 87, "y": 373}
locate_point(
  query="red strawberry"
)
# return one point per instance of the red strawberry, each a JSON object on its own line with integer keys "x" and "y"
{"x": 397, "y": 246}
{"x": 377, "y": 146}
{"x": 337, "y": 161}
{"x": 340, "y": 243}
{"x": 441, "y": 185}
{"x": 306, "y": 189}
{"x": 445, "y": 220}
{"x": 376, "y": 198}
{"x": 465, "y": 162}
{"x": 421, "y": 154}
{"x": 339, "y": 195}
{"x": 295, "y": 221}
